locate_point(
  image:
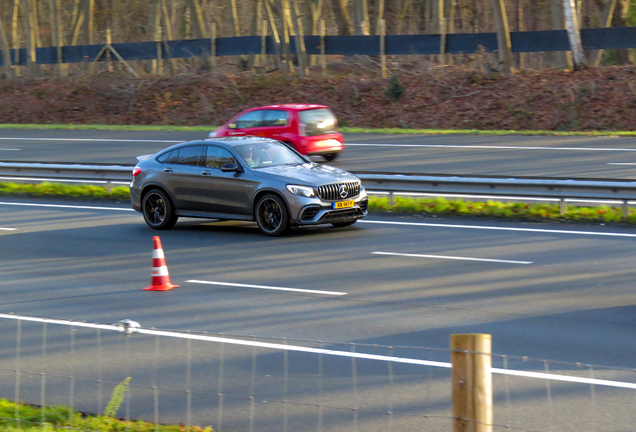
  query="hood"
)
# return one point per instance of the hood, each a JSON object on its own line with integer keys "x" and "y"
{"x": 308, "y": 174}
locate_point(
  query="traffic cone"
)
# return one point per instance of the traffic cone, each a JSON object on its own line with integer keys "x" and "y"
{"x": 160, "y": 278}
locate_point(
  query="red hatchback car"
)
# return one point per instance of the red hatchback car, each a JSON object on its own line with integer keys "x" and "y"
{"x": 310, "y": 129}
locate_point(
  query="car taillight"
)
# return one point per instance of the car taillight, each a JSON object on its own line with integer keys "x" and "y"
{"x": 136, "y": 171}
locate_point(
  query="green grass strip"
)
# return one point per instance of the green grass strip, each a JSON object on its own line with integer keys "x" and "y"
{"x": 64, "y": 190}
{"x": 513, "y": 210}
{"x": 168, "y": 128}
{"x": 402, "y": 205}
{"x": 62, "y": 418}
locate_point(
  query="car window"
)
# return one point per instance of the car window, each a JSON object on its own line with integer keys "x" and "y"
{"x": 319, "y": 121}
{"x": 274, "y": 118}
{"x": 168, "y": 157}
{"x": 268, "y": 154}
{"x": 249, "y": 120}
{"x": 190, "y": 155}
{"x": 216, "y": 157}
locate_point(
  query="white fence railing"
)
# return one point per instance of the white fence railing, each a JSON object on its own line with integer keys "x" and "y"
{"x": 248, "y": 383}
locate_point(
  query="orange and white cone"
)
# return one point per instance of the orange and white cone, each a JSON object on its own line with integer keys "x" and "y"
{"x": 160, "y": 277}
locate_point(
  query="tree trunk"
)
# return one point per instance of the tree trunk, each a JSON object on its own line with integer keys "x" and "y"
{"x": 196, "y": 19}
{"x": 343, "y": 20}
{"x": 6, "y": 53}
{"x": 556, "y": 13}
{"x": 621, "y": 15}
{"x": 572, "y": 24}
{"x": 503, "y": 36}
{"x": 361, "y": 18}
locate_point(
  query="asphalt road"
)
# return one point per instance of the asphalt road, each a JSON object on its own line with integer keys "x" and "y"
{"x": 553, "y": 291}
{"x": 529, "y": 156}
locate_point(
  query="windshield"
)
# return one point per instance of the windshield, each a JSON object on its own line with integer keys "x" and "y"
{"x": 268, "y": 154}
{"x": 319, "y": 121}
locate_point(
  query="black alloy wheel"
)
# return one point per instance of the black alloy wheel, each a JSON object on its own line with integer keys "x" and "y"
{"x": 271, "y": 215}
{"x": 344, "y": 224}
{"x": 157, "y": 210}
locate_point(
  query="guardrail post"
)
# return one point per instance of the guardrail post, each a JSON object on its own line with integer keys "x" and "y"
{"x": 625, "y": 209}
{"x": 563, "y": 206}
{"x": 109, "y": 187}
{"x": 471, "y": 379}
{"x": 391, "y": 199}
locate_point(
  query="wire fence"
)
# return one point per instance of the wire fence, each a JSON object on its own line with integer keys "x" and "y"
{"x": 248, "y": 383}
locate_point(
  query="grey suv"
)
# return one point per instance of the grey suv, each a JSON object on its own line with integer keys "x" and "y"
{"x": 247, "y": 178}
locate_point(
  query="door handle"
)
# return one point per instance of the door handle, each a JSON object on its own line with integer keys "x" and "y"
{"x": 206, "y": 172}
{"x": 168, "y": 169}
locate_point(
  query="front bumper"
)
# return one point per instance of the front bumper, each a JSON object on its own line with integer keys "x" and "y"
{"x": 314, "y": 211}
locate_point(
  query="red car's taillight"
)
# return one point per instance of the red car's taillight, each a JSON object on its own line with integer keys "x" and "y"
{"x": 136, "y": 171}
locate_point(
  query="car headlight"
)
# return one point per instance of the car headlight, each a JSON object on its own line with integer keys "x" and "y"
{"x": 301, "y": 190}
{"x": 212, "y": 134}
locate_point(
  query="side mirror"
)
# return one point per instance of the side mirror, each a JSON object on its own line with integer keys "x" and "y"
{"x": 232, "y": 126}
{"x": 231, "y": 167}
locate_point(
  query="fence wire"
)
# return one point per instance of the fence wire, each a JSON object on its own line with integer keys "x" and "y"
{"x": 249, "y": 383}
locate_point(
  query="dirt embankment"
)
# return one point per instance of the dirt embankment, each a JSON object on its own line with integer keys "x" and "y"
{"x": 444, "y": 98}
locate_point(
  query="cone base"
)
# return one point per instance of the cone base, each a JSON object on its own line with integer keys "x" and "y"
{"x": 165, "y": 287}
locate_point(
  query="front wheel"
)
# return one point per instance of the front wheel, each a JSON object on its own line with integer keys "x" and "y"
{"x": 158, "y": 211}
{"x": 344, "y": 224}
{"x": 330, "y": 156}
{"x": 271, "y": 215}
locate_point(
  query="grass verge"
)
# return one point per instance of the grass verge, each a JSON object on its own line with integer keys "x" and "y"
{"x": 402, "y": 205}
{"x": 342, "y": 129}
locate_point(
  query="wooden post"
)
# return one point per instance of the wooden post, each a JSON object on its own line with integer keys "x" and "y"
{"x": 6, "y": 52}
{"x": 608, "y": 13}
{"x": 574, "y": 35}
{"x": 383, "y": 47}
{"x": 62, "y": 68}
{"x": 15, "y": 36}
{"x": 159, "y": 40}
{"x": 263, "y": 43}
{"x": 323, "y": 57}
{"x": 503, "y": 36}
{"x": 109, "y": 41}
{"x": 442, "y": 41}
{"x": 471, "y": 380}
{"x": 213, "y": 45}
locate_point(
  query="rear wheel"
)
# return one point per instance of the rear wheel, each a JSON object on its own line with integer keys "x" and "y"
{"x": 343, "y": 224}
{"x": 330, "y": 156}
{"x": 158, "y": 210}
{"x": 271, "y": 215}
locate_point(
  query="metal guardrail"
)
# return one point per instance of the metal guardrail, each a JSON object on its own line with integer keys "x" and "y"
{"x": 615, "y": 190}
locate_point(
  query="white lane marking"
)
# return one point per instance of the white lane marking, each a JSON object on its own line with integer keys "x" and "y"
{"x": 335, "y": 293}
{"x": 368, "y": 221}
{"x": 453, "y": 258}
{"x": 89, "y": 140}
{"x": 620, "y": 163}
{"x": 8, "y": 149}
{"x": 296, "y": 348}
{"x": 66, "y": 206}
{"x": 548, "y": 231}
{"x": 8, "y": 229}
{"x": 494, "y": 147}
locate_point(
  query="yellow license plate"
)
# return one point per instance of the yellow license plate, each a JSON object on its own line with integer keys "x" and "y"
{"x": 343, "y": 204}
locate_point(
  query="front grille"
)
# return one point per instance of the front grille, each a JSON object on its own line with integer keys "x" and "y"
{"x": 331, "y": 192}
{"x": 342, "y": 215}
